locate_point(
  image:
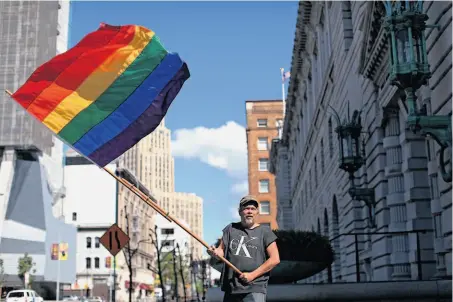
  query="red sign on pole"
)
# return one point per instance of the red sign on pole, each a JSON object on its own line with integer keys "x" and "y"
{"x": 114, "y": 240}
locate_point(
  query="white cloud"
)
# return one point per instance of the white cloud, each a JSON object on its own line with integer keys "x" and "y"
{"x": 241, "y": 188}
{"x": 224, "y": 147}
{"x": 235, "y": 213}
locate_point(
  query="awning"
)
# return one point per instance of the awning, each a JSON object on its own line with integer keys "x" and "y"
{"x": 146, "y": 286}
{"x": 134, "y": 284}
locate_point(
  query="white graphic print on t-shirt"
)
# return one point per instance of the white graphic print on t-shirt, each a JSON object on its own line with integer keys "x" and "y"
{"x": 237, "y": 246}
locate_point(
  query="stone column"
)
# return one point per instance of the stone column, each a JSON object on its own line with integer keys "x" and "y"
{"x": 418, "y": 201}
{"x": 395, "y": 197}
{"x": 435, "y": 195}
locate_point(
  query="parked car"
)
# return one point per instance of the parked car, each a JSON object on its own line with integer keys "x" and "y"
{"x": 23, "y": 295}
{"x": 70, "y": 298}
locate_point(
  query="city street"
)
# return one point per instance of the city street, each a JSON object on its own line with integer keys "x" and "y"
{"x": 261, "y": 151}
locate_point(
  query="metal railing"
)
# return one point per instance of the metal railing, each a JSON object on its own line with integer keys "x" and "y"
{"x": 357, "y": 251}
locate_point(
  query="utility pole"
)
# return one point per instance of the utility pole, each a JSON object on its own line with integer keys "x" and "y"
{"x": 176, "y": 275}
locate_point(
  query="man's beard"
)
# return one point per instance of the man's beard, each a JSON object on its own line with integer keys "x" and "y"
{"x": 248, "y": 221}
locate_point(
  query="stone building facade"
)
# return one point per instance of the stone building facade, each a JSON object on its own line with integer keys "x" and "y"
{"x": 263, "y": 123}
{"x": 340, "y": 61}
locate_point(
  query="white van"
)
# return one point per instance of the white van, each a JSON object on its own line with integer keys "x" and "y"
{"x": 23, "y": 295}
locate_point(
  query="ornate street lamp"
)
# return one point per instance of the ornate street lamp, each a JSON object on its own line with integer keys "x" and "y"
{"x": 405, "y": 22}
{"x": 352, "y": 158}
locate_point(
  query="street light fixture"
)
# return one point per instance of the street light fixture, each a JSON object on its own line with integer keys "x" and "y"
{"x": 352, "y": 158}
{"x": 405, "y": 22}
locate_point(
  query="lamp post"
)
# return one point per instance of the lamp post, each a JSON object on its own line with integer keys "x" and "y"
{"x": 405, "y": 22}
{"x": 351, "y": 159}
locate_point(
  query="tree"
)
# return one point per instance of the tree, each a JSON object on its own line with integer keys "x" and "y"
{"x": 2, "y": 276}
{"x": 25, "y": 266}
{"x": 160, "y": 270}
{"x": 129, "y": 254}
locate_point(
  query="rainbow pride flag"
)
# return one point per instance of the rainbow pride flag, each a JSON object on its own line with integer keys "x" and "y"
{"x": 106, "y": 93}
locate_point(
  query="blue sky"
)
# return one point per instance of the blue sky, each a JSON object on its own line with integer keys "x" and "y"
{"x": 234, "y": 51}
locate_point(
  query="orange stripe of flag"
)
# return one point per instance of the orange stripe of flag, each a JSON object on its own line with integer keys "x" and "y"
{"x": 71, "y": 78}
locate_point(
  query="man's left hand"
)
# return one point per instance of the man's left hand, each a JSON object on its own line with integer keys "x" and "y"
{"x": 247, "y": 277}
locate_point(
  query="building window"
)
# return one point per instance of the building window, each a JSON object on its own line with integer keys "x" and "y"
{"x": 316, "y": 172}
{"x": 97, "y": 242}
{"x": 88, "y": 262}
{"x": 438, "y": 225}
{"x": 264, "y": 186}
{"x": 322, "y": 156}
{"x": 88, "y": 242}
{"x": 167, "y": 231}
{"x": 262, "y": 123}
{"x": 330, "y": 138}
{"x": 263, "y": 164}
{"x": 265, "y": 207}
{"x": 168, "y": 243}
{"x": 74, "y": 216}
{"x": 96, "y": 262}
{"x": 262, "y": 143}
{"x": 348, "y": 34}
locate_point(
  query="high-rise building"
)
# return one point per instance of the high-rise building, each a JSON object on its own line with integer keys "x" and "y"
{"x": 263, "y": 122}
{"x": 31, "y": 33}
{"x": 340, "y": 62}
{"x": 189, "y": 207}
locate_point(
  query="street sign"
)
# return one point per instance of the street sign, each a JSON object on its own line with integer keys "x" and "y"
{"x": 114, "y": 240}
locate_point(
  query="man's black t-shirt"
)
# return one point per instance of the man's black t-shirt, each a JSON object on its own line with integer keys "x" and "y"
{"x": 245, "y": 249}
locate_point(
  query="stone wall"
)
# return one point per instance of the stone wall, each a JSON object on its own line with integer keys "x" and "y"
{"x": 340, "y": 62}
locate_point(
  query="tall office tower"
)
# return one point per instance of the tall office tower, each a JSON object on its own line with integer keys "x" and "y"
{"x": 263, "y": 123}
{"x": 31, "y": 33}
{"x": 151, "y": 161}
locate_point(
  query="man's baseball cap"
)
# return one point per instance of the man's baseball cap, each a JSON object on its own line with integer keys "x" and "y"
{"x": 247, "y": 200}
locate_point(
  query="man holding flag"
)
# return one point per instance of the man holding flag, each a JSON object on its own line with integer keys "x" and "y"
{"x": 250, "y": 247}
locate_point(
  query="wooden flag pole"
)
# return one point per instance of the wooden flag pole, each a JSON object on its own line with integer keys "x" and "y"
{"x": 139, "y": 193}
{"x": 158, "y": 209}
{"x": 167, "y": 215}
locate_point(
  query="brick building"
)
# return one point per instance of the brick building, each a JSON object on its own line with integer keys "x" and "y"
{"x": 263, "y": 120}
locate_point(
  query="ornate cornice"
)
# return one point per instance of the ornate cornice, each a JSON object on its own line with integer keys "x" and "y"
{"x": 300, "y": 40}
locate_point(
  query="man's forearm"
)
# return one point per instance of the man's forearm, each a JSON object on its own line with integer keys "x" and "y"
{"x": 265, "y": 267}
